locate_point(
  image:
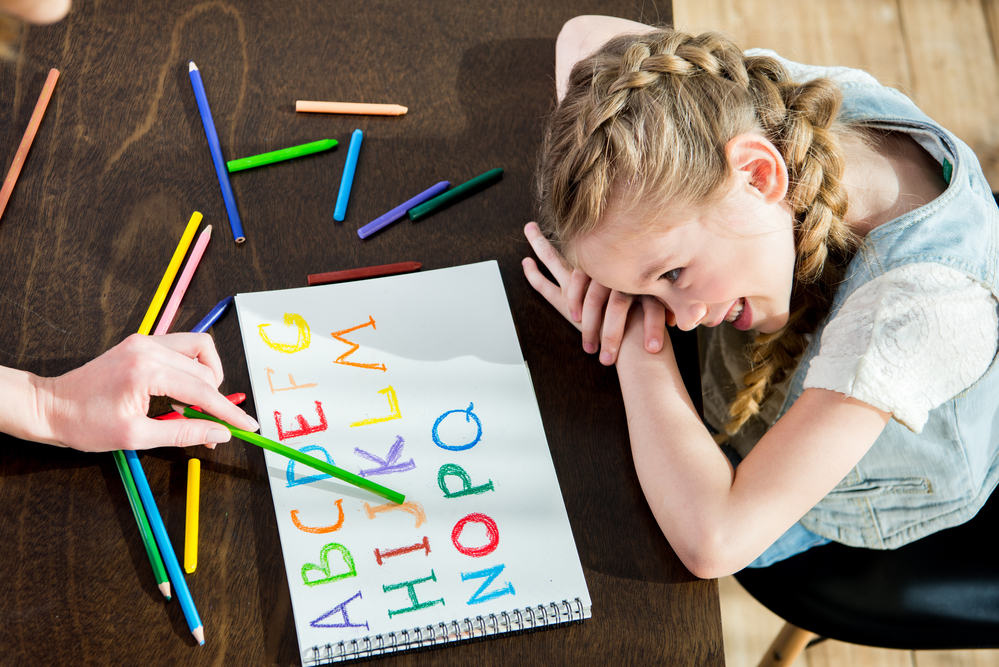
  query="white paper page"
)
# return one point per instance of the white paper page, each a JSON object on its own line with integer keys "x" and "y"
{"x": 438, "y": 387}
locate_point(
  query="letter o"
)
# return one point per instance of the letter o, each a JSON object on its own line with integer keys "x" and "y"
{"x": 492, "y": 532}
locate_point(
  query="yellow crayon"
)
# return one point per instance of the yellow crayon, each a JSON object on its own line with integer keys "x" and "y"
{"x": 191, "y": 532}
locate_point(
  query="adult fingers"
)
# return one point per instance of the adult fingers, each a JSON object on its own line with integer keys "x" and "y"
{"x": 179, "y": 433}
{"x": 575, "y": 292}
{"x": 188, "y": 389}
{"x": 615, "y": 317}
{"x": 198, "y": 347}
{"x": 654, "y": 319}
{"x": 547, "y": 254}
{"x": 593, "y": 315}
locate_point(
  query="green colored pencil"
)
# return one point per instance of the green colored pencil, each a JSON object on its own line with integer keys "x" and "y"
{"x": 295, "y": 455}
{"x": 465, "y": 189}
{"x": 148, "y": 541}
{"x": 283, "y": 154}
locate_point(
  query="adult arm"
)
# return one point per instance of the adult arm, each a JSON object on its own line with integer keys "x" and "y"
{"x": 103, "y": 404}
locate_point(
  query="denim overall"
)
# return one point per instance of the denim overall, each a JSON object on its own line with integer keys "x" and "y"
{"x": 909, "y": 485}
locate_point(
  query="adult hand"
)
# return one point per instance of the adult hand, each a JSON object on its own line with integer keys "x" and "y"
{"x": 599, "y": 312}
{"x": 102, "y": 405}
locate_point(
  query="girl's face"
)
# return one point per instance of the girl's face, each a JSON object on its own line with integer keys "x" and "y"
{"x": 730, "y": 263}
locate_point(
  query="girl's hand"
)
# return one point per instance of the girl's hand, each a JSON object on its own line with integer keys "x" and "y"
{"x": 102, "y": 405}
{"x": 598, "y": 312}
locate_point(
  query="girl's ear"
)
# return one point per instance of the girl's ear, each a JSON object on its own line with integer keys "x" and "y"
{"x": 762, "y": 165}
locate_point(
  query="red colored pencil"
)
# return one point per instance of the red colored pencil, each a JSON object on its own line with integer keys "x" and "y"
{"x": 29, "y": 136}
{"x": 235, "y": 399}
{"x": 366, "y": 272}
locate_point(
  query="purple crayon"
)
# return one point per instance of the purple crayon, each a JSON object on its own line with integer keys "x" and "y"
{"x": 400, "y": 210}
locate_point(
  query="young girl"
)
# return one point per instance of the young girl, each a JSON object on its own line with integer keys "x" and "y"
{"x": 853, "y": 237}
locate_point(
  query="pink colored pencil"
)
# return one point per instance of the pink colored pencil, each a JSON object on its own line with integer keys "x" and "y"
{"x": 29, "y": 136}
{"x": 166, "y": 319}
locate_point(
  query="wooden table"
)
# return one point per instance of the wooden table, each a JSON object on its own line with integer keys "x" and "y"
{"x": 119, "y": 164}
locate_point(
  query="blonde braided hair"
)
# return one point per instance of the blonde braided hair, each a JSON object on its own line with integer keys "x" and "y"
{"x": 647, "y": 119}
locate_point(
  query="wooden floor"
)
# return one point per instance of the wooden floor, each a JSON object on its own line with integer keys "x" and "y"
{"x": 942, "y": 54}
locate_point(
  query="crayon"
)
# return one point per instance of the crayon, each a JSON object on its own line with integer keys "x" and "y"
{"x": 365, "y": 272}
{"x": 463, "y": 190}
{"x": 400, "y": 210}
{"x": 357, "y": 108}
{"x": 348, "y": 176}
{"x": 278, "y": 156}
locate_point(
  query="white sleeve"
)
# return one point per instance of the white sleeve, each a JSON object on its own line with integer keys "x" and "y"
{"x": 908, "y": 341}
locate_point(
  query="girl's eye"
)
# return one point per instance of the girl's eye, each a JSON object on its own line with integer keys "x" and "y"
{"x": 672, "y": 275}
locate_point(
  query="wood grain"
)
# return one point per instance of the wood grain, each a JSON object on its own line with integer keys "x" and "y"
{"x": 119, "y": 164}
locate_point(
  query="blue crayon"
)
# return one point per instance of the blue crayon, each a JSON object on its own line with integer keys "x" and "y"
{"x": 213, "y": 315}
{"x": 340, "y": 212}
{"x": 221, "y": 170}
{"x": 166, "y": 549}
{"x": 400, "y": 210}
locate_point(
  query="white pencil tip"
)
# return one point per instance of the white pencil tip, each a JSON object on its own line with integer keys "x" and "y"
{"x": 192, "y": 67}
{"x": 177, "y": 408}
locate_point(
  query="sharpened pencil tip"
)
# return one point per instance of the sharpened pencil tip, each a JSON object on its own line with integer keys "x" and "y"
{"x": 192, "y": 67}
{"x": 199, "y": 634}
{"x": 177, "y": 408}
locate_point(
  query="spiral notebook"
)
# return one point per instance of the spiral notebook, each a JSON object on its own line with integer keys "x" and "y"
{"x": 416, "y": 382}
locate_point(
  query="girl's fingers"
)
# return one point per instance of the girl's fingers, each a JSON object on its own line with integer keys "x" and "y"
{"x": 575, "y": 292}
{"x": 615, "y": 317}
{"x": 654, "y": 317}
{"x": 546, "y": 253}
{"x": 546, "y": 288}
{"x": 593, "y": 315}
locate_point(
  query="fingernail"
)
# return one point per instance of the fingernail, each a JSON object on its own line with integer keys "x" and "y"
{"x": 605, "y": 358}
{"x": 251, "y": 424}
{"x": 217, "y": 435}
{"x": 210, "y": 445}
{"x": 590, "y": 348}
{"x": 654, "y": 345}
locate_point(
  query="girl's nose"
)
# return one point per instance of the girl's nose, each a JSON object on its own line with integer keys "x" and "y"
{"x": 690, "y": 316}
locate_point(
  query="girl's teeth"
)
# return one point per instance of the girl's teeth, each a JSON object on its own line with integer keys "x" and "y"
{"x": 734, "y": 315}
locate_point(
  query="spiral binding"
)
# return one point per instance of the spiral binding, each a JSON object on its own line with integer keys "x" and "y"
{"x": 515, "y": 621}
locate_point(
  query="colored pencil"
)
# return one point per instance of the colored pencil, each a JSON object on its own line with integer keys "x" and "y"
{"x": 357, "y": 108}
{"x": 468, "y": 187}
{"x": 170, "y": 311}
{"x": 400, "y": 210}
{"x": 283, "y": 154}
{"x": 216, "y": 150}
{"x": 191, "y": 519}
{"x": 29, "y": 136}
{"x": 235, "y": 399}
{"x": 365, "y": 272}
{"x": 148, "y": 541}
{"x": 166, "y": 548}
{"x": 295, "y": 455}
{"x": 348, "y": 175}
{"x": 170, "y": 274}
{"x": 213, "y": 316}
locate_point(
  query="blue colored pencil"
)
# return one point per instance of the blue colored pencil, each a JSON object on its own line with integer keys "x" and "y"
{"x": 213, "y": 315}
{"x": 340, "y": 212}
{"x": 400, "y": 210}
{"x": 213, "y": 144}
{"x": 166, "y": 549}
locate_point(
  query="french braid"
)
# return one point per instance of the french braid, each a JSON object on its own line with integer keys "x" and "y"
{"x": 646, "y": 119}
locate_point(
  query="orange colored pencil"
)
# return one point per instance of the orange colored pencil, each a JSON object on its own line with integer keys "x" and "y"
{"x": 350, "y": 108}
{"x": 29, "y": 136}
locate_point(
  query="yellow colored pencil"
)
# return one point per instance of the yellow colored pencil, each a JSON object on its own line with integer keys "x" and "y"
{"x": 191, "y": 529}
{"x": 171, "y": 273}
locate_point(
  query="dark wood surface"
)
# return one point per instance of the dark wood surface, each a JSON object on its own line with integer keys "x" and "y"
{"x": 119, "y": 164}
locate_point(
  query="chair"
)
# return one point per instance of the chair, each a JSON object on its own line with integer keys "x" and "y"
{"x": 940, "y": 592}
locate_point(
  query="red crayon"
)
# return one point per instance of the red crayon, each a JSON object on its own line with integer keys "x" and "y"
{"x": 366, "y": 272}
{"x": 235, "y": 399}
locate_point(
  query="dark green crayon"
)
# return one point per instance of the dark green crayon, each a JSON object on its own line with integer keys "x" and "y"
{"x": 468, "y": 187}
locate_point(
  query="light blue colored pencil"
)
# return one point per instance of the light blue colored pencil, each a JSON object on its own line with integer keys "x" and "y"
{"x": 180, "y": 588}
{"x": 340, "y": 212}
